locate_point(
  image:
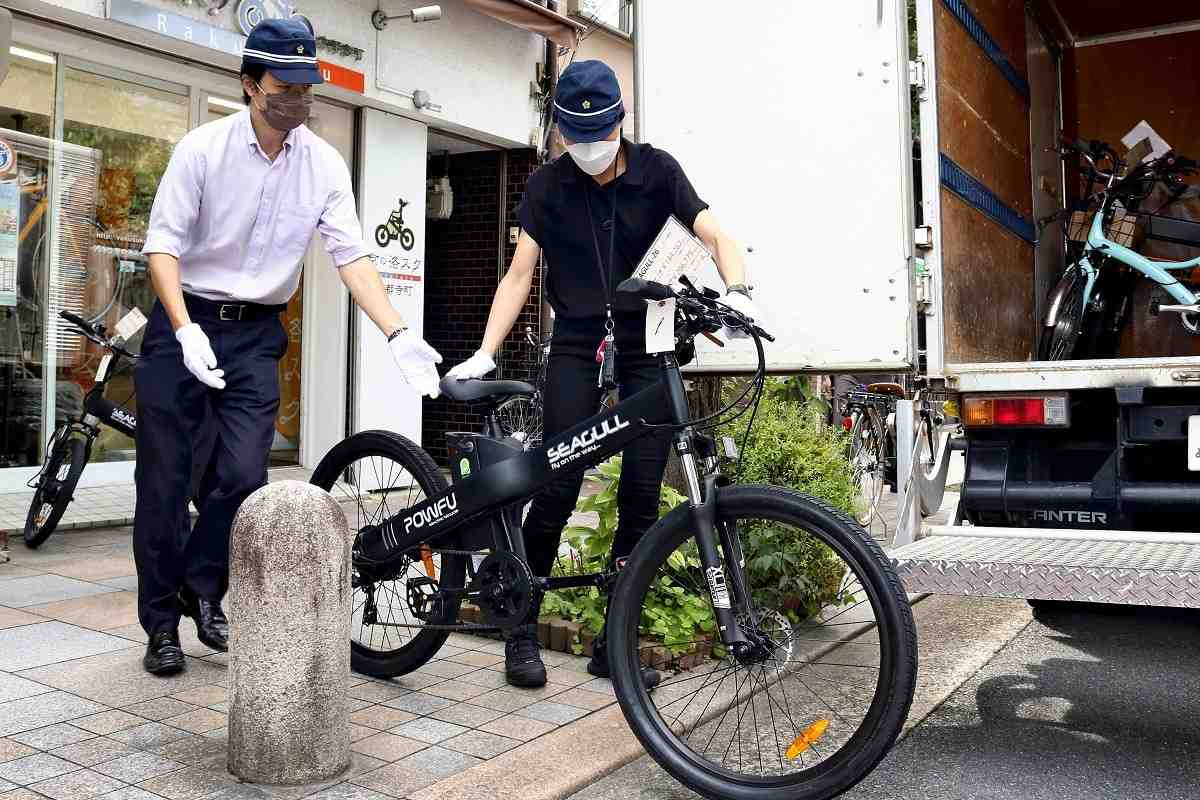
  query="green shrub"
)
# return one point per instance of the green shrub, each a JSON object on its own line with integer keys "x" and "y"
{"x": 789, "y": 446}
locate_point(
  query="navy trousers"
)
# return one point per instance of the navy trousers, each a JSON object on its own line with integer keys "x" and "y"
{"x": 181, "y": 420}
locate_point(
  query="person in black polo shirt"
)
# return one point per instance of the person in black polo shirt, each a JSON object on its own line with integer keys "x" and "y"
{"x": 594, "y": 212}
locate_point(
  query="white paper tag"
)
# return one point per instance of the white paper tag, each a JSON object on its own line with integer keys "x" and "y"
{"x": 130, "y": 324}
{"x": 1158, "y": 145}
{"x": 660, "y": 326}
{"x": 674, "y": 252}
{"x": 102, "y": 370}
{"x": 1194, "y": 443}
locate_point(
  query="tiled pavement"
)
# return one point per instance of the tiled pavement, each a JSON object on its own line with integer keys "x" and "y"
{"x": 79, "y": 718}
{"x": 99, "y": 506}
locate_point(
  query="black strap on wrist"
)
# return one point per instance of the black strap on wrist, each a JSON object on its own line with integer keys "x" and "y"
{"x": 397, "y": 332}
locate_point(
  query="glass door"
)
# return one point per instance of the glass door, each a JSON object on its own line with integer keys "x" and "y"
{"x": 118, "y": 132}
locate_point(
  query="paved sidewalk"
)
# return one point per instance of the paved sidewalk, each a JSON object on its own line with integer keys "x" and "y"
{"x": 80, "y": 719}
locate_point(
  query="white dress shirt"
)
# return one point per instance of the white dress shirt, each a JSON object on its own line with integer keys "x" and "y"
{"x": 240, "y": 223}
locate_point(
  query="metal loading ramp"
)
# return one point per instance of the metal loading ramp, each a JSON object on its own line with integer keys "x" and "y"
{"x": 1125, "y": 567}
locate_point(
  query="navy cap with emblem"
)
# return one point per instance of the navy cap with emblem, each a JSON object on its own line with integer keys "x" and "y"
{"x": 587, "y": 102}
{"x": 286, "y": 47}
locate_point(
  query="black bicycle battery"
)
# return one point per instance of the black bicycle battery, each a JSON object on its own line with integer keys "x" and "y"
{"x": 470, "y": 453}
{"x": 110, "y": 413}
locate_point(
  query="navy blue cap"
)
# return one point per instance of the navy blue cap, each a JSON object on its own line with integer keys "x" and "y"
{"x": 587, "y": 103}
{"x": 286, "y": 47}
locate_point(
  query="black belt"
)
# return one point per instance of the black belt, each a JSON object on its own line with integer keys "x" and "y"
{"x": 218, "y": 311}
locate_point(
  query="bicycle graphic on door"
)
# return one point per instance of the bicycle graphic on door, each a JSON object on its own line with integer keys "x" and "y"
{"x": 395, "y": 229}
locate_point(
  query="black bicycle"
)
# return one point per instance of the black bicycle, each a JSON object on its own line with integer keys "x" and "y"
{"x": 791, "y": 687}
{"x": 70, "y": 447}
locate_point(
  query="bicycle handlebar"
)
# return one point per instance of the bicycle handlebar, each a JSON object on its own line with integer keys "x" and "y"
{"x": 699, "y": 309}
{"x": 90, "y": 332}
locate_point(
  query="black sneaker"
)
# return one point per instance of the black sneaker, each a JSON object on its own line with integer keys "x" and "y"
{"x": 523, "y": 658}
{"x": 598, "y": 665}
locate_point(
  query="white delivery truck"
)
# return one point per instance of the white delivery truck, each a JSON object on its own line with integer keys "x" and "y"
{"x": 797, "y": 122}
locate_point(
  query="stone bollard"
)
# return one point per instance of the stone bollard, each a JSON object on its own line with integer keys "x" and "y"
{"x": 289, "y": 653}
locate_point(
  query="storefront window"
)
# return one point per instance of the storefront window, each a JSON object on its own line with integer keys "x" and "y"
{"x": 26, "y": 114}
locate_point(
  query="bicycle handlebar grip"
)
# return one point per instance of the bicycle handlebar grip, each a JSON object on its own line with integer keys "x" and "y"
{"x": 646, "y": 290}
{"x": 75, "y": 318}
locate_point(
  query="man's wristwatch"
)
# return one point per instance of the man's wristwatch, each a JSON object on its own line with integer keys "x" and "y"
{"x": 740, "y": 288}
{"x": 397, "y": 332}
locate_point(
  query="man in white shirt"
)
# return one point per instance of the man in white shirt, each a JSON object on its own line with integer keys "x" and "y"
{"x": 233, "y": 216}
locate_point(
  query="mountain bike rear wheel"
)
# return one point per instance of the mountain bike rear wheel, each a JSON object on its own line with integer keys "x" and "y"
{"x": 868, "y": 462}
{"x": 521, "y": 418}
{"x": 373, "y": 475}
{"x": 823, "y": 694}
{"x": 55, "y": 488}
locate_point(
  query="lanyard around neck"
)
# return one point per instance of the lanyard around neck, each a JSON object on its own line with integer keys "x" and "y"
{"x": 605, "y": 273}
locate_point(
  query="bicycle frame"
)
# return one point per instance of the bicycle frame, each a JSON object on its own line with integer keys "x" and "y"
{"x": 1157, "y": 271}
{"x": 99, "y": 409}
{"x": 497, "y": 488}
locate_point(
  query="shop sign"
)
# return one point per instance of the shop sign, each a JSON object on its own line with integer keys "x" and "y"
{"x": 252, "y": 12}
{"x": 186, "y": 29}
{"x": 350, "y": 79}
{"x": 8, "y": 158}
{"x": 10, "y": 224}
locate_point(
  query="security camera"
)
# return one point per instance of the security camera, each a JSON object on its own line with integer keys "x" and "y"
{"x": 426, "y": 13}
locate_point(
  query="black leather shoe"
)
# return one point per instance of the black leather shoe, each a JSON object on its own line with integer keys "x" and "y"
{"x": 212, "y": 627}
{"x": 598, "y": 665}
{"x": 523, "y": 659}
{"x": 163, "y": 656}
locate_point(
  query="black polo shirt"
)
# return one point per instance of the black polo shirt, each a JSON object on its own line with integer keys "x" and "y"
{"x": 554, "y": 212}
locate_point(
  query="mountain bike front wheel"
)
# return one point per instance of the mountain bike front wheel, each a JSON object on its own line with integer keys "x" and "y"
{"x": 822, "y": 694}
{"x": 1065, "y": 318}
{"x": 55, "y": 488}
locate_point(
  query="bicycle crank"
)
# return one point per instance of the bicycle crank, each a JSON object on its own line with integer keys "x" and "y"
{"x": 503, "y": 590}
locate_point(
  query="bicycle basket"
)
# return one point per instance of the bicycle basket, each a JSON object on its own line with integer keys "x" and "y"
{"x": 1125, "y": 229}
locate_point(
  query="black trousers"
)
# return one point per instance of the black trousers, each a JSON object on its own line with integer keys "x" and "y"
{"x": 571, "y": 396}
{"x": 179, "y": 419}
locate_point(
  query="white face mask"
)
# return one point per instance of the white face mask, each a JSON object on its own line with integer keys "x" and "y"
{"x": 594, "y": 157}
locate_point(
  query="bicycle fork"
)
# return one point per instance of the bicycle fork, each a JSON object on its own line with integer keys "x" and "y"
{"x": 722, "y": 574}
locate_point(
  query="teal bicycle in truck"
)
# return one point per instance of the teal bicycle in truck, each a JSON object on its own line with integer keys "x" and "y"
{"x": 1075, "y": 299}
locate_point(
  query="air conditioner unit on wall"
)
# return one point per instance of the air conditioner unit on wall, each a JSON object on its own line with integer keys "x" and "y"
{"x": 439, "y": 198}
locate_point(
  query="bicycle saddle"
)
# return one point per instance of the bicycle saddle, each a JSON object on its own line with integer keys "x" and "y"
{"x": 467, "y": 391}
{"x": 892, "y": 389}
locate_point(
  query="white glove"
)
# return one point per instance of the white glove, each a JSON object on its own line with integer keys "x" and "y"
{"x": 198, "y": 356}
{"x": 476, "y": 366}
{"x": 744, "y": 306}
{"x": 416, "y": 360}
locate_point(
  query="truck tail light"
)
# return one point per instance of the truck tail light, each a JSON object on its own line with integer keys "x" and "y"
{"x": 1027, "y": 411}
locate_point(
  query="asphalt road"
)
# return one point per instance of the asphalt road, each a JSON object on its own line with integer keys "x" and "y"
{"x": 1088, "y": 702}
